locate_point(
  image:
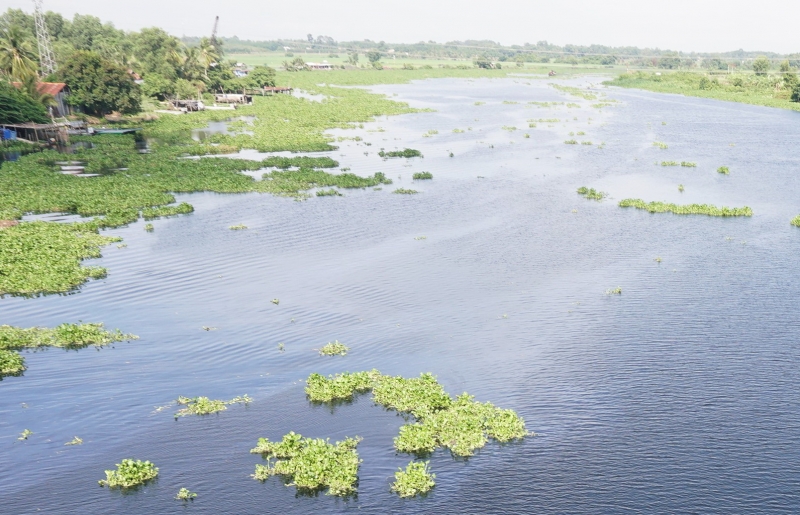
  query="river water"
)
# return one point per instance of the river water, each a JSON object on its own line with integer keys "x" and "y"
{"x": 678, "y": 396}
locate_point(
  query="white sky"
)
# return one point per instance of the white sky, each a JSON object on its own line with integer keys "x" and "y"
{"x": 700, "y": 25}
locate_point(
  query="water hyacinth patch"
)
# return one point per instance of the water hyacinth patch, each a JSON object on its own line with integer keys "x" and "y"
{"x": 571, "y": 142}
{"x": 130, "y": 473}
{"x": 405, "y": 191}
{"x": 328, "y": 193}
{"x": 688, "y": 164}
{"x": 414, "y": 480}
{"x": 420, "y": 176}
{"x": 661, "y": 145}
{"x": 591, "y": 193}
{"x": 299, "y": 162}
{"x": 690, "y": 209}
{"x": 292, "y": 183}
{"x": 310, "y": 464}
{"x": 149, "y": 227}
{"x": 11, "y": 363}
{"x": 185, "y": 495}
{"x": 615, "y": 291}
{"x": 408, "y": 153}
{"x": 239, "y": 227}
{"x": 334, "y": 348}
{"x": 206, "y": 406}
{"x": 339, "y": 387}
{"x": 724, "y": 170}
{"x": 669, "y": 163}
{"x": 25, "y": 434}
{"x": 151, "y": 213}
{"x": 795, "y": 221}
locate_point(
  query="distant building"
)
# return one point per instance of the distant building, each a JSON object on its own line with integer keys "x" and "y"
{"x": 320, "y": 66}
{"x": 60, "y": 92}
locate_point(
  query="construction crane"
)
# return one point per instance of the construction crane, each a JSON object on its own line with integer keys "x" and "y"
{"x": 47, "y": 63}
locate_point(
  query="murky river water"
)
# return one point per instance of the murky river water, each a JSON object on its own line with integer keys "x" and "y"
{"x": 678, "y": 396}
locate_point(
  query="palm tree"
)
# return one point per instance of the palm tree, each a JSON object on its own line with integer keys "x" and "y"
{"x": 191, "y": 66}
{"x": 208, "y": 55}
{"x": 31, "y": 86}
{"x": 17, "y": 59}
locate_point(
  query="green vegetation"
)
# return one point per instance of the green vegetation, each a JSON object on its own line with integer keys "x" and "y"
{"x": 461, "y": 425}
{"x": 311, "y": 464}
{"x": 414, "y": 480}
{"x": 66, "y": 336}
{"x": 680, "y": 188}
{"x": 130, "y": 473}
{"x": 661, "y": 145}
{"x": 239, "y": 227}
{"x": 419, "y": 176}
{"x": 615, "y": 291}
{"x": 690, "y": 209}
{"x": 669, "y": 163}
{"x": 149, "y": 227}
{"x": 591, "y": 193}
{"x": 328, "y": 193}
{"x": 405, "y": 191}
{"x": 151, "y": 213}
{"x": 576, "y": 92}
{"x": 408, "y": 153}
{"x": 275, "y": 301}
{"x": 571, "y": 142}
{"x": 206, "y": 406}
{"x": 75, "y": 441}
{"x": 98, "y": 85}
{"x": 25, "y": 434}
{"x": 586, "y": 142}
{"x": 688, "y": 164}
{"x": 18, "y": 107}
{"x": 795, "y": 221}
{"x": 724, "y": 169}
{"x": 185, "y": 495}
{"x": 299, "y": 162}
{"x": 292, "y": 183}
{"x": 509, "y": 128}
{"x": 334, "y": 348}
{"x": 432, "y": 132}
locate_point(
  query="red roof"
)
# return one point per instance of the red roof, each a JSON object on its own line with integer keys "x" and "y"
{"x": 46, "y": 88}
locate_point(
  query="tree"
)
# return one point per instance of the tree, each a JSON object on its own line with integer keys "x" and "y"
{"x": 796, "y": 93}
{"x": 260, "y": 76}
{"x": 374, "y": 56}
{"x": 353, "y": 59}
{"x": 98, "y": 85}
{"x": 31, "y": 87}
{"x": 17, "y": 107}
{"x": 209, "y": 56}
{"x": 761, "y": 65}
{"x": 483, "y": 62}
{"x": 156, "y": 52}
{"x": 17, "y": 59}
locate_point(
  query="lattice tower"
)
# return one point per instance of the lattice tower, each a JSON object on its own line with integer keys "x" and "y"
{"x": 46, "y": 61}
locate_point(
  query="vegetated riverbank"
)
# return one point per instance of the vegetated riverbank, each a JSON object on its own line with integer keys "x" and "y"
{"x": 763, "y": 90}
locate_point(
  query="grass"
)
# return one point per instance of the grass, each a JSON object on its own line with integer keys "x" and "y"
{"x": 724, "y": 169}
{"x": 414, "y": 480}
{"x": 206, "y": 406}
{"x": 461, "y": 425}
{"x": 405, "y": 191}
{"x": 591, "y": 193}
{"x": 311, "y": 464}
{"x": 185, "y": 495}
{"x": 66, "y": 336}
{"x": 407, "y": 153}
{"x": 421, "y": 176}
{"x": 129, "y": 474}
{"x": 150, "y": 213}
{"x": 689, "y": 209}
{"x": 795, "y": 221}
{"x": 334, "y": 348}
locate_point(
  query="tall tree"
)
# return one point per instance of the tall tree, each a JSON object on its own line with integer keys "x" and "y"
{"x": 98, "y": 85}
{"x": 761, "y": 65}
{"x": 17, "y": 59}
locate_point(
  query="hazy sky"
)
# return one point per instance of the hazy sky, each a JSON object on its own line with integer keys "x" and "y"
{"x": 702, "y": 25}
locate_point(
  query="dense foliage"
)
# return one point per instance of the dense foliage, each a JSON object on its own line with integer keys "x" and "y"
{"x": 98, "y": 85}
{"x": 414, "y": 480}
{"x": 690, "y": 209}
{"x": 129, "y": 474}
{"x": 17, "y": 107}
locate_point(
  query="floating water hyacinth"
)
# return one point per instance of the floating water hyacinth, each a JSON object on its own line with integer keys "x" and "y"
{"x": 130, "y": 473}
{"x": 688, "y": 164}
{"x": 407, "y": 153}
{"x": 405, "y": 191}
{"x": 334, "y": 348}
{"x": 420, "y": 176}
{"x": 661, "y": 145}
{"x": 690, "y": 209}
{"x": 206, "y": 406}
{"x": 795, "y": 221}
{"x": 615, "y": 291}
{"x": 414, "y": 480}
{"x": 239, "y": 227}
{"x": 591, "y": 193}
{"x": 185, "y": 495}
{"x": 723, "y": 170}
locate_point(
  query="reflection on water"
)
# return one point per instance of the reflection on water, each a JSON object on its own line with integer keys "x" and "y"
{"x": 224, "y": 127}
{"x": 678, "y": 396}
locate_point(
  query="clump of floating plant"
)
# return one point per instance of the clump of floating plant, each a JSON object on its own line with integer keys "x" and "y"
{"x": 458, "y": 131}
{"x": 68, "y": 336}
{"x": 581, "y": 133}
{"x": 299, "y": 162}
{"x": 311, "y": 464}
{"x": 527, "y": 135}
{"x": 408, "y": 153}
{"x": 184, "y": 494}
{"x": 25, "y": 434}
{"x": 577, "y": 92}
{"x": 75, "y": 441}
{"x": 405, "y": 191}
{"x": 150, "y": 213}
{"x": 149, "y": 227}
{"x": 130, "y": 473}
{"x": 688, "y": 164}
{"x": 328, "y": 193}
{"x": 724, "y": 169}
{"x": 591, "y": 193}
{"x": 419, "y": 176}
{"x": 681, "y": 188}
{"x": 291, "y": 183}
{"x": 510, "y": 102}
{"x": 479, "y": 103}
{"x": 461, "y": 425}
{"x": 658, "y": 259}
{"x": 239, "y": 227}
{"x": 509, "y": 128}
{"x": 430, "y": 133}
{"x": 661, "y": 145}
{"x": 276, "y": 301}
{"x": 334, "y": 348}
{"x": 615, "y": 291}
{"x": 669, "y": 163}
{"x": 420, "y": 238}
{"x": 571, "y": 142}
{"x": 689, "y": 209}
{"x": 414, "y": 480}
{"x": 586, "y": 142}
{"x": 206, "y": 406}
{"x": 795, "y": 221}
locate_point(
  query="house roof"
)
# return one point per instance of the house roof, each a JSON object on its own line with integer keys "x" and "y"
{"x": 46, "y": 88}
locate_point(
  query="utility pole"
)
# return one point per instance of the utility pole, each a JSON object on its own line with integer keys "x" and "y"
{"x": 46, "y": 61}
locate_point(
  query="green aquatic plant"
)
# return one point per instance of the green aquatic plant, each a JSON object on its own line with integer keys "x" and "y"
{"x": 414, "y": 480}
{"x": 405, "y": 191}
{"x": 75, "y": 441}
{"x": 586, "y": 142}
{"x": 151, "y": 213}
{"x": 669, "y": 163}
{"x": 311, "y": 464}
{"x": 275, "y": 301}
{"x": 479, "y": 103}
{"x": 25, "y": 434}
{"x": 11, "y": 363}
{"x": 239, "y": 227}
{"x": 334, "y": 348}
{"x": 690, "y": 209}
{"x": 420, "y": 238}
{"x": 688, "y": 164}
{"x": 615, "y": 291}
{"x": 299, "y": 162}
{"x": 571, "y": 142}
{"x": 458, "y": 131}
{"x": 795, "y": 221}
{"x": 206, "y": 406}
{"x": 510, "y": 102}
{"x": 526, "y": 136}
{"x": 681, "y": 188}
{"x": 591, "y": 193}
{"x": 149, "y": 227}
{"x": 657, "y": 260}
{"x": 430, "y": 133}
{"x": 130, "y": 473}
{"x": 661, "y": 145}
{"x": 339, "y": 387}
{"x": 724, "y": 169}
{"x": 407, "y": 153}
{"x": 581, "y": 133}
{"x": 531, "y": 125}
{"x": 422, "y": 176}
{"x": 328, "y": 193}
{"x": 291, "y": 183}
{"x": 509, "y": 128}
{"x": 185, "y": 495}
{"x": 576, "y": 92}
